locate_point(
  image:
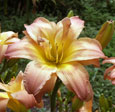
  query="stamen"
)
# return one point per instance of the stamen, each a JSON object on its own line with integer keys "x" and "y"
{"x": 47, "y": 49}
{"x": 61, "y": 56}
{"x": 57, "y": 56}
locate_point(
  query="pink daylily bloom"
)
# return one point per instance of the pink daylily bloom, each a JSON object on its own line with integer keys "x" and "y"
{"x": 110, "y": 72}
{"x": 55, "y": 52}
{"x": 14, "y": 90}
{"x": 6, "y": 38}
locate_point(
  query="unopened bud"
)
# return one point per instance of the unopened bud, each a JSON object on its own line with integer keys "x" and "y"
{"x": 70, "y": 14}
{"x": 76, "y": 104}
{"x": 105, "y": 33}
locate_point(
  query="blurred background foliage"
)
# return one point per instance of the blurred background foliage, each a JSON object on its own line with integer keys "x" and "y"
{"x": 15, "y": 13}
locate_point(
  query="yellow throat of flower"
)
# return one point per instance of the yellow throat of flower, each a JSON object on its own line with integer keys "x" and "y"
{"x": 53, "y": 52}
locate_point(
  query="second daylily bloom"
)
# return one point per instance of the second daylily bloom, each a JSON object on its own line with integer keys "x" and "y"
{"x": 6, "y": 38}
{"x": 15, "y": 96}
{"x": 56, "y": 52}
{"x": 110, "y": 72}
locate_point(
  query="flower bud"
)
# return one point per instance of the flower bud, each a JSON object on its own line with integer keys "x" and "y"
{"x": 76, "y": 103}
{"x": 105, "y": 33}
{"x": 70, "y": 14}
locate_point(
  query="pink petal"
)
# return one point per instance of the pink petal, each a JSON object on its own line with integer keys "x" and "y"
{"x": 107, "y": 71}
{"x": 71, "y": 26}
{"x": 25, "y": 49}
{"x": 84, "y": 43}
{"x": 87, "y": 55}
{"x": 68, "y": 29}
{"x": 9, "y": 34}
{"x": 110, "y": 74}
{"x": 3, "y": 49}
{"x": 66, "y": 26}
{"x": 113, "y": 82}
{"x": 48, "y": 87}
{"x": 3, "y": 87}
{"x": 77, "y": 25}
{"x": 109, "y": 60}
{"x": 12, "y": 40}
{"x": 35, "y": 76}
{"x": 83, "y": 55}
{"x": 26, "y": 99}
{"x": 83, "y": 49}
{"x": 3, "y": 105}
{"x": 95, "y": 62}
{"x": 40, "y": 20}
{"x": 4, "y": 38}
{"x": 88, "y": 43}
{"x": 3, "y": 101}
{"x": 41, "y": 27}
{"x": 76, "y": 78}
{"x": 65, "y": 34}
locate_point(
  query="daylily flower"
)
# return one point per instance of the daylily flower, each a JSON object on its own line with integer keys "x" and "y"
{"x": 110, "y": 72}
{"x": 6, "y": 38}
{"x": 56, "y": 52}
{"x": 15, "y": 96}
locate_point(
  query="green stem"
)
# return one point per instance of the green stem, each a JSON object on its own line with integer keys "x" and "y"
{"x": 60, "y": 104}
{"x": 53, "y": 95}
{"x": 66, "y": 105}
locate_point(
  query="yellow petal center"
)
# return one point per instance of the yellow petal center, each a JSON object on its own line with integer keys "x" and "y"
{"x": 53, "y": 51}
